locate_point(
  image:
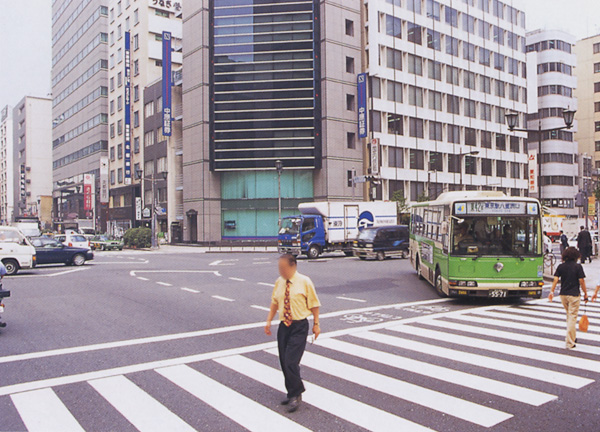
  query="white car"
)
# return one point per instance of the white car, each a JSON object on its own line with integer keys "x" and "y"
{"x": 16, "y": 252}
{"x": 595, "y": 240}
{"x": 74, "y": 240}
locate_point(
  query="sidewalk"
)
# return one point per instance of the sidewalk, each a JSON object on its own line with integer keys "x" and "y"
{"x": 183, "y": 248}
{"x": 592, "y": 272}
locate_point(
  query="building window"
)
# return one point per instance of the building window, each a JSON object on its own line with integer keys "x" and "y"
{"x": 435, "y": 131}
{"x": 394, "y": 91}
{"x": 597, "y": 126}
{"x": 436, "y": 161}
{"x": 112, "y": 106}
{"x": 350, "y": 65}
{"x": 161, "y": 13}
{"x": 435, "y": 70}
{"x": 451, "y": 45}
{"x": 112, "y": 84}
{"x": 136, "y": 145}
{"x": 136, "y": 42}
{"x": 470, "y": 108}
{"x": 486, "y": 167}
{"x": 120, "y": 175}
{"x": 149, "y": 138}
{"x": 120, "y": 127}
{"x": 485, "y": 84}
{"x": 350, "y": 178}
{"x": 376, "y": 88}
{"x": 470, "y": 137}
{"x": 394, "y": 59}
{"x": 350, "y": 102}
{"x": 415, "y": 96}
{"x": 136, "y": 67}
{"x": 470, "y": 165}
{"x": 469, "y": 80}
{"x": 597, "y": 48}
{"x": 453, "y": 104}
{"x": 136, "y": 93}
{"x": 498, "y": 35}
{"x": 500, "y": 168}
{"x": 454, "y": 163}
{"x": 119, "y": 79}
{"x": 484, "y": 56}
{"x": 393, "y": 26}
{"x": 500, "y": 142}
{"x": 112, "y": 130}
{"x": 136, "y": 119}
{"x": 120, "y": 151}
{"x": 349, "y": 27}
{"x": 112, "y": 153}
{"x": 351, "y": 140}
{"x": 415, "y": 33}
{"x": 452, "y": 75}
{"x": 596, "y": 67}
{"x": 416, "y": 127}
{"x": 433, "y": 10}
{"x": 434, "y": 40}
{"x": 415, "y": 65}
{"x": 515, "y": 145}
{"x": 453, "y": 134}
{"x": 468, "y": 51}
{"x": 417, "y": 160}
{"x": 375, "y": 118}
{"x": 597, "y": 87}
{"x": 395, "y": 157}
{"x": 413, "y": 6}
{"x": 498, "y": 61}
{"x": 149, "y": 109}
{"x": 451, "y": 16}
{"x": 484, "y": 30}
{"x": 112, "y": 177}
{"x": 120, "y": 103}
{"x": 435, "y": 100}
{"x": 395, "y": 124}
{"x": 136, "y": 16}
{"x": 500, "y": 89}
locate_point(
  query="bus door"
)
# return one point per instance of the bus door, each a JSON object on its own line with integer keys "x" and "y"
{"x": 350, "y": 222}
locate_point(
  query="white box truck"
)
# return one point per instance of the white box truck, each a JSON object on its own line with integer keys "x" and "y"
{"x": 332, "y": 226}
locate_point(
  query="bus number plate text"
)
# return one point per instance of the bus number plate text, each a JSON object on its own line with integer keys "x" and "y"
{"x": 498, "y": 293}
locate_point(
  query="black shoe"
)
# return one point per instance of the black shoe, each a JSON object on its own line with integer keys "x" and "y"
{"x": 2, "y": 324}
{"x": 285, "y": 401}
{"x": 294, "y": 404}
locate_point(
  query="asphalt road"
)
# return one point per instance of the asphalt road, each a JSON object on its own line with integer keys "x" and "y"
{"x": 174, "y": 341}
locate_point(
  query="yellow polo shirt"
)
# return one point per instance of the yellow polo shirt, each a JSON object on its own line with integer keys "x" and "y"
{"x": 303, "y": 296}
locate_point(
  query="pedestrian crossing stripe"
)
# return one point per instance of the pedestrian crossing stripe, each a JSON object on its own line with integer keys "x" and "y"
{"x": 534, "y": 324}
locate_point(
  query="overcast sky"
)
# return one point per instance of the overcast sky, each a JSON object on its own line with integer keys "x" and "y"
{"x": 25, "y": 43}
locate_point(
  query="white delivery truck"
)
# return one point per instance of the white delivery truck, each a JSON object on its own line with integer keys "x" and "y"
{"x": 16, "y": 252}
{"x": 332, "y": 226}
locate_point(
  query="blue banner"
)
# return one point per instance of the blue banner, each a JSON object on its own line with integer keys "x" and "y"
{"x": 127, "y": 86}
{"x": 362, "y": 105}
{"x": 167, "y": 78}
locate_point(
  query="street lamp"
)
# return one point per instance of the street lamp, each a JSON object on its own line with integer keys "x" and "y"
{"x": 512, "y": 119}
{"x": 279, "y": 168}
{"x": 460, "y": 164}
{"x": 139, "y": 176}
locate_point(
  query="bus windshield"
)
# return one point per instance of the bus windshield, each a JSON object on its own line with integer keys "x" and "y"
{"x": 496, "y": 235}
{"x": 290, "y": 226}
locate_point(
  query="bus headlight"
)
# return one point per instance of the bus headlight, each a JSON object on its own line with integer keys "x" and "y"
{"x": 469, "y": 284}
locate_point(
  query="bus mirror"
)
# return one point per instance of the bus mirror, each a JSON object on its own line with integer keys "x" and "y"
{"x": 444, "y": 228}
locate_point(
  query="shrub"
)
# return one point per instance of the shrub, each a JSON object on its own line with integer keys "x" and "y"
{"x": 138, "y": 237}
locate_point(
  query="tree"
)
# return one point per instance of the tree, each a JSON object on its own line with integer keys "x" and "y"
{"x": 402, "y": 206}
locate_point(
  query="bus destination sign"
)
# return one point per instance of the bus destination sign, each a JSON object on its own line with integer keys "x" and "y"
{"x": 496, "y": 208}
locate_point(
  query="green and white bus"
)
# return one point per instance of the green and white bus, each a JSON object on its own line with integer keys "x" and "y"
{"x": 482, "y": 244}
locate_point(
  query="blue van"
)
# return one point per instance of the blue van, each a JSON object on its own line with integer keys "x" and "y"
{"x": 382, "y": 242}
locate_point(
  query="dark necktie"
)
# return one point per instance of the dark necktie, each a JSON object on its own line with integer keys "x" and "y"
{"x": 287, "y": 310}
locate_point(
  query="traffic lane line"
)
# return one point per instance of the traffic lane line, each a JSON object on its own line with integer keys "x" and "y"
{"x": 271, "y": 285}
{"x": 237, "y": 279}
{"x": 29, "y": 275}
{"x": 227, "y": 299}
{"x": 351, "y": 299}
{"x": 190, "y": 290}
{"x": 260, "y": 308}
{"x": 164, "y": 284}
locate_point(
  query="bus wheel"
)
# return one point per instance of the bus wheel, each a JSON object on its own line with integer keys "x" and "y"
{"x": 439, "y": 283}
{"x": 314, "y": 252}
{"x": 419, "y": 273}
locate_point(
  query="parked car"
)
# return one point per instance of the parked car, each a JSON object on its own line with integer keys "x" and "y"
{"x": 595, "y": 240}
{"x": 16, "y": 251}
{"x": 103, "y": 242}
{"x": 382, "y": 242}
{"x": 52, "y": 251}
{"x": 74, "y": 240}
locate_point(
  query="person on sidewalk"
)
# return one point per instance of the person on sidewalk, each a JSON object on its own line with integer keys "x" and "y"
{"x": 584, "y": 244}
{"x": 295, "y": 297}
{"x": 572, "y": 281}
{"x": 564, "y": 242}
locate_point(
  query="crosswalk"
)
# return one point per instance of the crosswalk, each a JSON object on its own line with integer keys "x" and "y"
{"x": 475, "y": 369}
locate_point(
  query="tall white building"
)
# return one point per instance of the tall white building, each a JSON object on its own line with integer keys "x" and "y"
{"x": 145, "y": 21}
{"x": 556, "y": 82}
{"x": 442, "y": 76}
{"x": 6, "y": 166}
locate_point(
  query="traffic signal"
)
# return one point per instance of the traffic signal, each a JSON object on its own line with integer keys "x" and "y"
{"x": 373, "y": 179}
{"x": 580, "y": 199}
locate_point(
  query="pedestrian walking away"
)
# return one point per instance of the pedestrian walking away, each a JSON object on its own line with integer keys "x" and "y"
{"x": 564, "y": 242}
{"x": 584, "y": 244}
{"x": 295, "y": 298}
{"x": 572, "y": 282}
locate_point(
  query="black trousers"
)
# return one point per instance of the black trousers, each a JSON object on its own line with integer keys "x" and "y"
{"x": 291, "y": 342}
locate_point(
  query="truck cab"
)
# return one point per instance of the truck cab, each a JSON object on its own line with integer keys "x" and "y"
{"x": 303, "y": 234}
{"x": 16, "y": 252}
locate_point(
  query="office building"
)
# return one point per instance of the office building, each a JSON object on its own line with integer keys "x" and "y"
{"x": 140, "y": 24}
{"x": 6, "y": 166}
{"x": 443, "y": 75}
{"x": 32, "y": 159}
{"x": 79, "y": 111}
{"x": 163, "y": 162}
{"x": 266, "y": 82}
{"x": 587, "y": 93}
{"x": 555, "y": 65}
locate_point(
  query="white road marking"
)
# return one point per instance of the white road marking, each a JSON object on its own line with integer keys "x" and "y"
{"x": 260, "y": 307}
{"x": 135, "y": 272}
{"x": 237, "y": 279}
{"x": 261, "y": 262}
{"x": 223, "y": 298}
{"x": 556, "y": 314}
{"x": 211, "y": 332}
{"x": 225, "y": 262}
{"x": 143, "y": 278}
{"x": 164, "y": 284}
{"x": 446, "y": 404}
{"x": 536, "y": 340}
{"x": 561, "y": 311}
{"x": 267, "y": 284}
{"x": 351, "y": 410}
{"x": 239, "y": 408}
{"x": 143, "y": 411}
{"x": 190, "y": 290}
{"x": 121, "y": 262}
{"x": 42, "y": 411}
{"x": 482, "y": 384}
{"x": 67, "y": 272}
{"x": 352, "y": 299}
{"x": 526, "y": 371}
{"x": 503, "y": 348}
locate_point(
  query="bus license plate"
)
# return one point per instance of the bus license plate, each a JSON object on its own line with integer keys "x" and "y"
{"x": 498, "y": 293}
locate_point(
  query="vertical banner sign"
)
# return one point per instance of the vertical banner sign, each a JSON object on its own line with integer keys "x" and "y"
{"x": 104, "y": 179}
{"x": 375, "y": 156}
{"x": 127, "y": 108}
{"x": 87, "y": 191}
{"x": 362, "y": 105}
{"x": 532, "y": 171}
{"x": 167, "y": 77}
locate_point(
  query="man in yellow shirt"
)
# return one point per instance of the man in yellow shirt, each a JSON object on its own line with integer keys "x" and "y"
{"x": 295, "y": 298}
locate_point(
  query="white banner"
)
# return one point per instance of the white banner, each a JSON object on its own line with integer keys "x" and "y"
{"x": 375, "y": 156}
{"x": 532, "y": 171}
{"x": 104, "y": 179}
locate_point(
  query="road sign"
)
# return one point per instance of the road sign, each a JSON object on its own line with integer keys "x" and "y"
{"x": 360, "y": 179}
{"x": 146, "y": 213}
